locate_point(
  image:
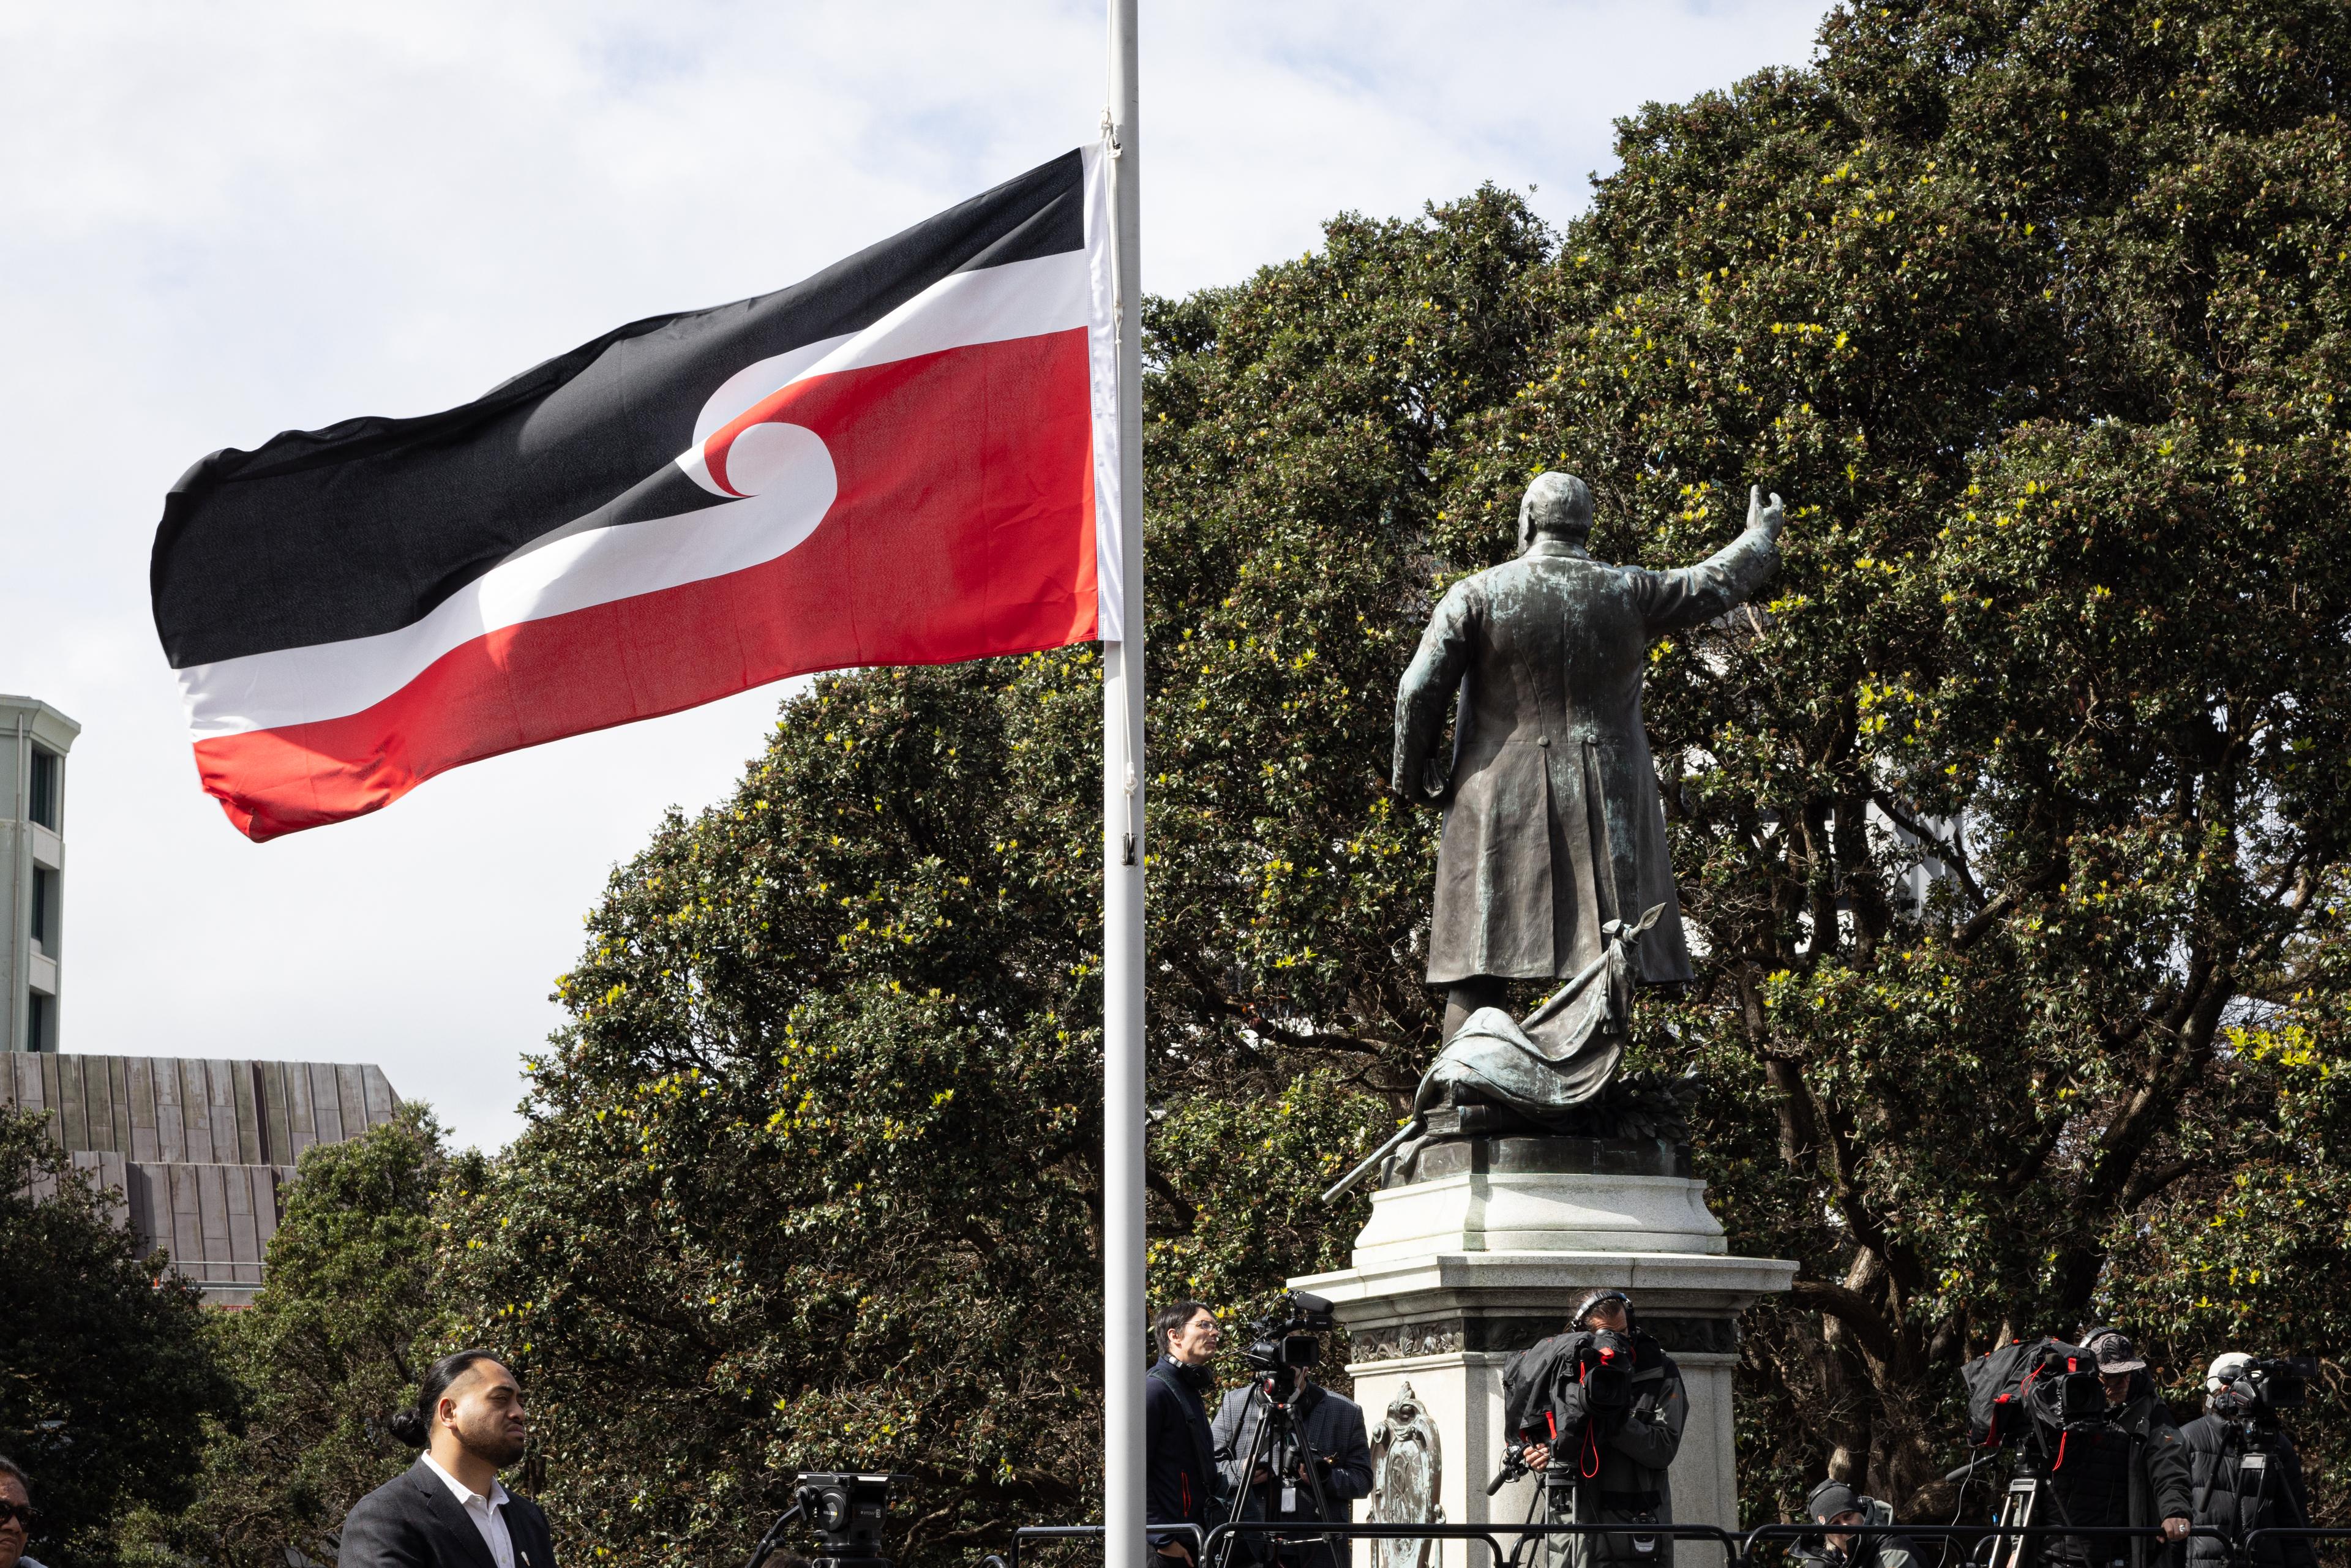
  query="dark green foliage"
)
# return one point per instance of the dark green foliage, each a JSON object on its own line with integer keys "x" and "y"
{"x": 107, "y": 1381}
{"x": 2036, "y": 314}
{"x": 807, "y": 1184}
{"x": 330, "y": 1347}
{"x": 811, "y": 1179}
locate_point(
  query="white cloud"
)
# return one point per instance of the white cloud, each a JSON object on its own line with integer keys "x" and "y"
{"x": 227, "y": 220}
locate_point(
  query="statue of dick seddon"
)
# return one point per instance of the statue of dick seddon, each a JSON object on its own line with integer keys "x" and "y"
{"x": 1554, "y": 827}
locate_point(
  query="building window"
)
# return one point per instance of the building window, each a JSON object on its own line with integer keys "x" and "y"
{"x": 40, "y": 1022}
{"x": 47, "y": 768}
{"x": 44, "y": 910}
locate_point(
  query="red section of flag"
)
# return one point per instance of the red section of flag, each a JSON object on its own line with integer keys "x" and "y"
{"x": 964, "y": 528}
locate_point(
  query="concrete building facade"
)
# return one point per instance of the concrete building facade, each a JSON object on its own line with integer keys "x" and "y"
{"x": 34, "y": 740}
{"x": 198, "y": 1153}
{"x": 201, "y": 1151}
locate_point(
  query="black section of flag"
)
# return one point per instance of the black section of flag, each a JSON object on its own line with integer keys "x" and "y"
{"x": 364, "y": 526}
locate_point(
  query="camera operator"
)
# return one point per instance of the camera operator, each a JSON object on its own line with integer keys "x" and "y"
{"x": 1329, "y": 1438}
{"x": 1600, "y": 1410}
{"x": 1840, "y": 1510}
{"x": 2243, "y": 1467}
{"x": 2131, "y": 1468}
{"x": 1179, "y": 1453}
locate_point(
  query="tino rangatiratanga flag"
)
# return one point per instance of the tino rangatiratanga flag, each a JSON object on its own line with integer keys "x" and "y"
{"x": 909, "y": 459}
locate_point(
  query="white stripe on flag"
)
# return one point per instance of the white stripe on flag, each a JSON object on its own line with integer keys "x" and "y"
{"x": 565, "y": 571}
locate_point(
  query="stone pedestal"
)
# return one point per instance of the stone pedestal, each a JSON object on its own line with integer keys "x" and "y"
{"x": 1486, "y": 1244}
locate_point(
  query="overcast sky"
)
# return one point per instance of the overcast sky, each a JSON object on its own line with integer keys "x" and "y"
{"x": 224, "y": 220}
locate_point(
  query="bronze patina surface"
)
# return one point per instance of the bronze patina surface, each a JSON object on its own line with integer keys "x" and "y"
{"x": 1553, "y": 825}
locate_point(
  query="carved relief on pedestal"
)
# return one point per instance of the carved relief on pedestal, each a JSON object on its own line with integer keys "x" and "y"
{"x": 1510, "y": 1335}
{"x": 1407, "y": 1472}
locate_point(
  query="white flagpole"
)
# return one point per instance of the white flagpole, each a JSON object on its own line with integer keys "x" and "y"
{"x": 1122, "y": 776}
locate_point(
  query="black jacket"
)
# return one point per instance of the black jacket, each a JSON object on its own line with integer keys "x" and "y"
{"x": 2133, "y": 1471}
{"x": 1332, "y": 1425}
{"x": 1179, "y": 1454}
{"x": 1612, "y": 1468}
{"x": 411, "y": 1521}
{"x": 2226, "y": 1497}
{"x": 1868, "y": 1551}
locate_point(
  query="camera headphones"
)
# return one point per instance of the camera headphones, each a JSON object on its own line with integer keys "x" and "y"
{"x": 2225, "y": 1370}
{"x": 1596, "y": 1298}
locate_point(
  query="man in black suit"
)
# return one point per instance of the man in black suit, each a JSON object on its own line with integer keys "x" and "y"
{"x": 447, "y": 1509}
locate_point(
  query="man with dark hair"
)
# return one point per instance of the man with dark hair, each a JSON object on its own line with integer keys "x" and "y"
{"x": 16, "y": 1516}
{"x": 2132, "y": 1469}
{"x": 1600, "y": 1410}
{"x": 1842, "y": 1511}
{"x": 1179, "y": 1452}
{"x": 448, "y": 1509}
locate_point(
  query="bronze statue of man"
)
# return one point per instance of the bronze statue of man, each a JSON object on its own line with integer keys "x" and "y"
{"x": 1553, "y": 825}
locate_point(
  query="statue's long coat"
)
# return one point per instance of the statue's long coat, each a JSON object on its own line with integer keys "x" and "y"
{"x": 1553, "y": 825}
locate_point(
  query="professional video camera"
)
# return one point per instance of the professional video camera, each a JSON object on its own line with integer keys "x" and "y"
{"x": 2026, "y": 1386}
{"x": 845, "y": 1509}
{"x": 1604, "y": 1367}
{"x": 1279, "y": 1348}
{"x": 1281, "y": 1343}
{"x": 2264, "y": 1385}
{"x": 2034, "y": 1394}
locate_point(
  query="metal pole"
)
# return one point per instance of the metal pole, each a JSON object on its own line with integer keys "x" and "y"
{"x": 1123, "y": 863}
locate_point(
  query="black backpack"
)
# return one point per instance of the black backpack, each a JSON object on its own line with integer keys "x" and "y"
{"x": 2024, "y": 1380}
{"x": 1527, "y": 1380}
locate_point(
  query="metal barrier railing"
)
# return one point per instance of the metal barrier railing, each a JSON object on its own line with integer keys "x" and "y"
{"x": 1082, "y": 1533}
{"x": 1214, "y": 1547}
{"x": 1765, "y": 1535}
{"x": 2287, "y": 1532}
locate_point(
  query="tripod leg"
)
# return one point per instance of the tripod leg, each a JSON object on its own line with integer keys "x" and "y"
{"x": 1332, "y": 1549}
{"x": 1246, "y": 1483}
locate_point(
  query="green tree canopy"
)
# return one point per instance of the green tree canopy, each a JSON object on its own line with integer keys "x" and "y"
{"x": 107, "y": 1381}
{"x": 2011, "y": 827}
{"x": 2038, "y": 312}
{"x": 332, "y": 1346}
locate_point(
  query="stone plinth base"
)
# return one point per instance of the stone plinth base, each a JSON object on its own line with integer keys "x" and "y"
{"x": 1487, "y": 1252}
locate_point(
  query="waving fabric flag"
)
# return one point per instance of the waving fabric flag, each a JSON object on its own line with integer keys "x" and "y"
{"x": 909, "y": 459}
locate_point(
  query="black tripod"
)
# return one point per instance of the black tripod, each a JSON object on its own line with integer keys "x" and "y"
{"x": 1280, "y": 1444}
{"x": 2246, "y": 1449}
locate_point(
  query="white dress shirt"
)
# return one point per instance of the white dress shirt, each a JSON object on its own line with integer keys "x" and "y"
{"x": 483, "y": 1511}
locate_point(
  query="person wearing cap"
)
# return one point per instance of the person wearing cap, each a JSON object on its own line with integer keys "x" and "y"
{"x": 2132, "y": 1469}
{"x": 1842, "y": 1512}
{"x": 1600, "y": 1468}
{"x": 2232, "y": 1495}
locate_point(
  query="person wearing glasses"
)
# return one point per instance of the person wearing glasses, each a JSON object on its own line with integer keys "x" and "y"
{"x": 16, "y": 1516}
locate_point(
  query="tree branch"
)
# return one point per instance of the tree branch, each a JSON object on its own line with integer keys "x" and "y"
{"x": 1186, "y": 1213}
{"x": 1951, "y": 852}
{"x": 1991, "y": 913}
{"x": 1854, "y": 1311}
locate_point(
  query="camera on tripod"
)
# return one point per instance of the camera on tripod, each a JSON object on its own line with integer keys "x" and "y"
{"x": 1278, "y": 1344}
{"x": 2267, "y": 1384}
{"x": 1604, "y": 1367}
{"x": 845, "y": 1508}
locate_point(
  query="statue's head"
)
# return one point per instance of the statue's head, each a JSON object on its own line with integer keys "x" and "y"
{"x": 1558, "y": 505}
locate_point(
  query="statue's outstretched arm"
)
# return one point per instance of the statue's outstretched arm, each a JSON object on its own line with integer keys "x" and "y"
{"x": 1730, "y": 577}
{"x": 1428, "y": 684}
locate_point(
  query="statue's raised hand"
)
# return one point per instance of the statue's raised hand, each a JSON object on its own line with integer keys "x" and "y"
{"x": 1760, "y": 515}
